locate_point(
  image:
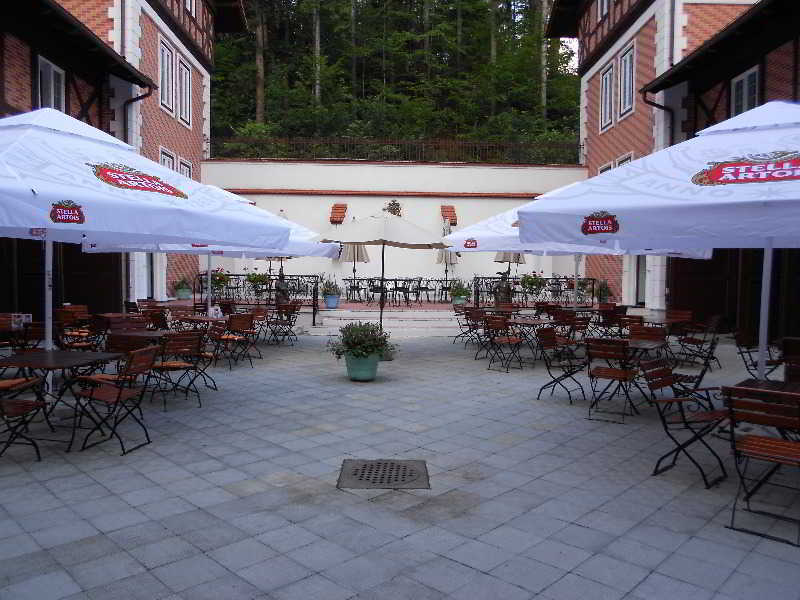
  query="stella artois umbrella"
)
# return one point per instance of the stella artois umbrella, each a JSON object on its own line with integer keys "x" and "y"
{"x": 735, "y": 185}
{"x": 65, "y": 181}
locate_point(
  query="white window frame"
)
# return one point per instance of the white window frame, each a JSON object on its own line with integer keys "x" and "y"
{"x": 189, "y": 6}
{"x": 624, "y": 159}
{"x": 627, "y": 60}
{"x": 163, "y": 154}
{"x": 183, "y": 108}
{"x": 49, "y": 70}
{"x": 166, "y": 59}
{"x": 606, "y": 167}
{"x": 602, "y": 9}
{"x": 185, "y": 167}
{"x": 607, "y": 89}
{"x": 743, "y": 80}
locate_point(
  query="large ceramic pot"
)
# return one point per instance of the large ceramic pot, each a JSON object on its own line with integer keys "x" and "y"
{"x": 331, "y": 301}
{"x": 362, "y": 369}
{"x": 183, "y": 293}
{"x": 459, "y": 299}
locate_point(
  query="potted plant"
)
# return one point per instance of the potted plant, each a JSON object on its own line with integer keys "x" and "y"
{"x": 533, "y": 284}
{"x": 602, "y": 291}
{"x": 219, "y": 279}
{"x": 459, "y": 291}
{"x": 183, "y": 290}
{"x": 258, "y": 281}
{"x": 331, "y": 292}
{"x": 362, "y": 345}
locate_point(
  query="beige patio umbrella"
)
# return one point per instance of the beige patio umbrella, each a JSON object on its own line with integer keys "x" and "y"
{"x": 518, "y": 258}
{"x": 355, "y": 253}
{"x": 443, "y": 255}
{"x": 383, "y": 229}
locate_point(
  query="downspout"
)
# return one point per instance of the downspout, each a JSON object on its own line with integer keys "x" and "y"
{"x": 670, "y": 113}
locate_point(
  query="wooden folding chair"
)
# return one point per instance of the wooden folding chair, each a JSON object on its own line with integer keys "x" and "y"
{"x": 180, "y": 353}
{"x": 17, "y": 413}
{"x": 616, "y": 379}
{"x": 560, "y": 361}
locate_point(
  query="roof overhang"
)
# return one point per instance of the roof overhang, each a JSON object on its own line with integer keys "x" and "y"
{"x": 564, "y": 17}
{"x": 229, "y": 16}
{"x": 57, "y": 25}
{"x": 767, "y": 25}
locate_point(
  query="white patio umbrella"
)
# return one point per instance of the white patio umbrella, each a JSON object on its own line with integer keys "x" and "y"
{"x": 517, "y": 258}
{"x": 62, "y": 180}
{"x": 735, "y": 185}
{"x": 383, "y": 229}
{"x": 354, "y": 253}
{"x": 445, "y": 256}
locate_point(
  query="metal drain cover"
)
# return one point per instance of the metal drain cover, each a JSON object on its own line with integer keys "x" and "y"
{"x": 383, "y": 474}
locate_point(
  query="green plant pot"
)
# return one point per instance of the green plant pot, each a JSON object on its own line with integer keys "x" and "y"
{"x": 183, "y": 293}
{"x": 459, "y": 299}
{"x": 362, "y": 369}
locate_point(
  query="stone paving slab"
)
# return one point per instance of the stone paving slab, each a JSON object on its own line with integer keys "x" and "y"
{"x": 237, "y": 499}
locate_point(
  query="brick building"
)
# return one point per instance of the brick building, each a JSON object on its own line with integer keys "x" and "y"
{"x": 623, "y": 45}
{"x": 139, "y": 69}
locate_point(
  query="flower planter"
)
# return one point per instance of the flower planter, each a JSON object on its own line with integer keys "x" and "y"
{"x": 331, "y": 301}
{"x": 183, "y": 293}
{"x": 362, "y": 369}
{"x": 459, "y": 299}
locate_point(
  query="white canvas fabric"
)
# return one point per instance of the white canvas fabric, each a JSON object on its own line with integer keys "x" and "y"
{"x": 499, "y": 234}
{"x": 736, "y": 185}
{"x": 81, "y": 184}
{"x": 383, "y": 229}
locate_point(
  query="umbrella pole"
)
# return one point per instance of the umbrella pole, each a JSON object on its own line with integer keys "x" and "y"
{"x": 575, "y": 282}
{"x": 48, "y": 294}
{"x": 383, "y": 284}
{"x": 763, "y": 325}
{"x": 208, "y": 285}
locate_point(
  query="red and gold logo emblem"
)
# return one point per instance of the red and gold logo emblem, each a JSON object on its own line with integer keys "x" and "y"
{"x": 600, "y": 222}
{"x": 471, "y": 243}
{"x": 66, "y": 211}
{"x": 127, "y": 178}
{"x": 782, "y": 165}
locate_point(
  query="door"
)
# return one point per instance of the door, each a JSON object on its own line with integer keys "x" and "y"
{"x": 641, "y": 280}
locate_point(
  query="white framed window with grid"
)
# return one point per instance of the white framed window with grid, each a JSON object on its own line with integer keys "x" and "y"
{"x": 627, "y": 84}
{"x": 184, "y": 93}
{"x": 185, "y": 167}
{"x": 625, "y": 159}
{"x": 606, "y": 167}
{"x": 607, "y": 98}
{"x": 602, "y": 9}
{"x": 51, "y": 85}
{"x": 166, "y": 158}
{"x": 744, "y": 91}
{"x": 166, "y": 69}
{"x": 189, "y": 6}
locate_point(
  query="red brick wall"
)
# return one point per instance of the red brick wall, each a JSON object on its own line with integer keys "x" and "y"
{"x": 608, "y": 268}
{"x": 779, "y": 75}
{"x": 93, "y": 14}
{"x": 704, "y": 20}
{"x": 160, "y": 128}
{"x": 17, "y": 76}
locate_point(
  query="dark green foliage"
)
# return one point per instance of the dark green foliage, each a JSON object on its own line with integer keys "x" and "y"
{"x": 398, "y": 81}
{"x": 360, "y": 339}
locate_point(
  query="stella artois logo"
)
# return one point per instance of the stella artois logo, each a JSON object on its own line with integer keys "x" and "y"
{"x": 127, "y": 178}
{"x": 471, "y": 243}
{"x": 66, "y": 211}
{"x": 600, "y": 222}
{"x": 782, "y": 165}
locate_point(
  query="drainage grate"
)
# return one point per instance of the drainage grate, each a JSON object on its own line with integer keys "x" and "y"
{"x": 383, "y": 474}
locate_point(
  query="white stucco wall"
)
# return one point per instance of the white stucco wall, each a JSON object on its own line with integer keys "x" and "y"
{"x": 308, "y": 208}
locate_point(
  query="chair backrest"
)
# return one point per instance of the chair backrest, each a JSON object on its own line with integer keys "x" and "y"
{"x": 156, "y": 319}
{"x": 581, "y": 323}
{"x": 658, "y": 374}
{"x": 200, "y": 308}
{"x": 495, "y": 325}
{"x": 546, "y": 337}
{"x": 605, "y": 349}
{"x": 459, "y": 309}
{"x": 217, "y": 329}
{"x": 629, "y": 320}
{"x": 65, "y": 317}
{"x": 181, "y": 343}
{"x": 122, "y": 343}
{"x": 140, "y": 362}
{"x": 768, "y": 408}
{"x": 240, "y": 322}
{"x": 679, "y": 315}
{"x": 650, "y": 333}
{"x": 607, "y": 305}
{"x": 120, "y": 324}
{"x": 131, "y": 307}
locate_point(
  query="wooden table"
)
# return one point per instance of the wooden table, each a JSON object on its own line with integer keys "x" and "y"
{"x": 148, "y": 334}
{"x": 202, "y": 319}
{"x": 791, "y": 388}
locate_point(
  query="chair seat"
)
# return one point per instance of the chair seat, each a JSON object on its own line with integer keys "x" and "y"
{"x": 8, "y": 384}
{"x": 108, "y": 394}
{"x": 612, "y": 373}
{"x": 172, "y": 364}
{"x": 771, "y": 449}
{"x": 692, "y": 341}
{"x": 78, "y": 345}
{"x": 508, "y": 340}
{"x": 247, "y": 332}
{"x": 699, "y": 417}
{"x": 18, "y": 408}
{"x": 229, "y": 337}
{"x": 107, "y": 378}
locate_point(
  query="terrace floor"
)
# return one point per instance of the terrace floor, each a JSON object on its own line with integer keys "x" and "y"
{"x": 237, "y": 499}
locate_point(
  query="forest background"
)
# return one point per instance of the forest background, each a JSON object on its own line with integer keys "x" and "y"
{"x": 467, "y": 80}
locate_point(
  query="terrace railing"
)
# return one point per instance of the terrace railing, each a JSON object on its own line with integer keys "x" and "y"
{"x": 236, "y": 288}
{"x": 550, "y": 152}
{"x": 489, "y": 290}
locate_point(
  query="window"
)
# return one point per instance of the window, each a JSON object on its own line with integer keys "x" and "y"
{"x": 185, "y": 168}
{"x": 606, "y": 98}
{"x": 625, "y": 159}
{"x": 602, "y": 9}
{"x": 184, "y": 93}
{"x": 189, "y": 5}
{"x": 626, "y": 83}
{"x": 744, "y": 91}
{"x": 51, "y": 85}
{"x": 604, "y": 168}
{"x": 167, "y": 159}
{"x": 167, "y": 75}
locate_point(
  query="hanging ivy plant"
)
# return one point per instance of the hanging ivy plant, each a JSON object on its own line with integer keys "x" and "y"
{"x": 393, "y": 207}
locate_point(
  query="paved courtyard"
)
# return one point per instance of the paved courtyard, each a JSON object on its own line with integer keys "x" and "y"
{"x": 237, "y": 499}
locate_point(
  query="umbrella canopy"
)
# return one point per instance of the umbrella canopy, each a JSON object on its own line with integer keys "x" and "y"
{"x": 354, "y": 253}
{"x": 384, "y": 229}
{"x": 517, "y": 258}
{"x": 445, "y": 256}
{"x": 735, "y": 185}
{"x": 79, "y": 183}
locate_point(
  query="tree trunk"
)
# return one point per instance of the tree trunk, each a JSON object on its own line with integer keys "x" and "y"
{"x": 353, "y": 57}
{"x": 317, "y": 57}
{"x": 426, "y": 26}
{"x": 261, "y": 43}
{"x": 544, "y": 14}
{"x": 492, "y": 50}
{"x": 459, "y": 35}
